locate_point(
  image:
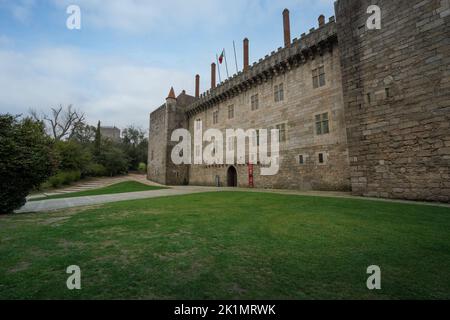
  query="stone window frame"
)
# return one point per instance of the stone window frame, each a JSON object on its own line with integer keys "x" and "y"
{"x": 301, "y": 159}
{"x": 322, "y": 121}
{"x": 231, "y": 112}
{"x": 254, "y": 102}
{"x": 283, "y": 138}
{"x": 319, "y": 77}
{"x": 152, "y": 155}
{"x": 215, "y": 115}
{"x": 324, "y": 158}
{"x": 278, "y": 92}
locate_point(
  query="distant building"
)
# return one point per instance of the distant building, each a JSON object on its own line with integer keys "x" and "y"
{"x": 111, "y": 133}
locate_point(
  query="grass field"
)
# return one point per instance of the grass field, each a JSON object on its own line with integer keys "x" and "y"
{"x": 229, "y": 245}
{"x": 122, "y": 187}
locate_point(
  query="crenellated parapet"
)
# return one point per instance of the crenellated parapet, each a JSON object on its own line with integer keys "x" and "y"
{"x": 308, "y": 47}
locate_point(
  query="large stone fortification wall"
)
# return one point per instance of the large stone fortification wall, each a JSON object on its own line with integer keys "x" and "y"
{"x": 396, "y": 85}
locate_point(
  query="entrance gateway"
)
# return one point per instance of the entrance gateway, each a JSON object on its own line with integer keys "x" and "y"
{"x": 232, "y": 177}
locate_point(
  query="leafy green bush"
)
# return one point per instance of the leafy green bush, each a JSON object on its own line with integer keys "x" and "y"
{"x": 73, "y": 156}
{"x": 26, "y": 160}
{"x": 64, "y": 178}
{"x": 142, "y": 167}
{"x": 55, "y": 181}
{"x": 96, "y": 170}
{"x": 113, "y": 159}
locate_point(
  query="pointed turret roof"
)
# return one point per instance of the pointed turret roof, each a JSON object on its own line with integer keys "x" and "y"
{"x": 171, "y": 94}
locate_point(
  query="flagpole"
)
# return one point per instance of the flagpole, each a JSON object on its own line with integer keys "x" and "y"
{"x": 226, "y": 63}
{"x": 218, "y": 68}
{"x": 235, "y": 57}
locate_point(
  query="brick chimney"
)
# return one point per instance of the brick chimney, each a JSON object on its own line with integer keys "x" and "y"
{"x": 287, "y": 28}
{"x": 246, "y": 54}
{"x": 321, "y": 20}
{"x": 197, "y": 86}
{"x": 213, "y": 75}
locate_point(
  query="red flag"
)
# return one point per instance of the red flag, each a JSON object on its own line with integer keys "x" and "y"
{"x": 222, "y": 55}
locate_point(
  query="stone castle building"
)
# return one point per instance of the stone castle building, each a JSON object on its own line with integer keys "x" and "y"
{"x": 111, "y": 133}
{"x": 360, "y": 109}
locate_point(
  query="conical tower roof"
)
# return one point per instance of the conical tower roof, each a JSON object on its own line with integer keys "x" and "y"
{"x": 171, "y": 94}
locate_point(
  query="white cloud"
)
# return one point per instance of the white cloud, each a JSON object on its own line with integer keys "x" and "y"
{"x": 147, "y": 16}
{"x": 114, "y": 91}
{"x": 21, "y": 10}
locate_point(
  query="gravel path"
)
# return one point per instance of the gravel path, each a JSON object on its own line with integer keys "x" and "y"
{"x": 59, "y": 204}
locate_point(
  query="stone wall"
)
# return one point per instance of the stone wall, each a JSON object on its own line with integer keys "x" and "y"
{"x": 298, "y": 110}
{"x": 157, "y": 147}
{"x": 176, "y": 119}
{"x": 396, "y": 84}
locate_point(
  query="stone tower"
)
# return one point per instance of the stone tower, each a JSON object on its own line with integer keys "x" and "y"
{"x": 167, "y": 118}
{"x": 397, "y": 97}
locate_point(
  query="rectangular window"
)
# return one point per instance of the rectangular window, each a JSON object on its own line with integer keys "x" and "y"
{"x": 198, "y": 124}
{"x": 321, "y": 76}
{"x": 301, "y": 159}
{"x": 278, "y": 92}
{"x": 322, "y": 124}
{"x": 281, "y": 92}
{"x": 215, "y": 117}
{"x": 321, "y": 158}
{"x": 282, "y": 129}
{"x": 388, "y": 93}
{"x": 230, "y": 112}
{"x": 318, "y": 76}
{"x": 255, "y": 102}
{"x": 152, "y": 157}
{"x": 315, "y": 75}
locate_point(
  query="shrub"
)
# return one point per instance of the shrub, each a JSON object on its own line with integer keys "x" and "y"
{"x": 113, "y": 159}
{"x": 142, "y": 167}
{"x": 55, "y": 181}
{"x": 64, "y": 178}
{"x": 26, "y": 160}
{"x": 96, "y": 170}
{"x": 73, "y": 156}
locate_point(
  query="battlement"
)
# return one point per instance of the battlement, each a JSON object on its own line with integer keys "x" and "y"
{"x": 316, "y": 42}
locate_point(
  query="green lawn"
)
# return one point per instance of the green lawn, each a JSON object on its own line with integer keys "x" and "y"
{"x": 122, "y": 187}
{"x": 230, "y": 245}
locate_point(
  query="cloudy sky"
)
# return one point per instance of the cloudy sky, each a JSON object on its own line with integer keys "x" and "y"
{"x": 121, "y": 64}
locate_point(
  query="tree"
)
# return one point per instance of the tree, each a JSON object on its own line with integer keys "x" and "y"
{"x": 135, "y": 145}
{"x": 63, "y": 122}
{"x": 26, "y": 160}
{"x": 113, "y": 159}
{"x": 73, "y": 156}
{"x": 98, "y": 140}
{"x": 83, "y": 133}
{"x": 133, "y": 135}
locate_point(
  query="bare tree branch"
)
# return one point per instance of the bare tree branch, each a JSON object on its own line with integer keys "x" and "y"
{"x": 63, "y": 121}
